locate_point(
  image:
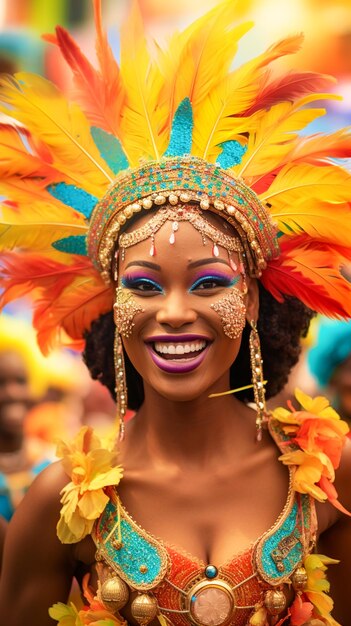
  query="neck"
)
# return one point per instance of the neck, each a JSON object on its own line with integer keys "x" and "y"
{"x": 195, "y": 432}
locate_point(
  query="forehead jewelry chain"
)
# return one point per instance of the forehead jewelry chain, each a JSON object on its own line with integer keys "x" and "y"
{"x": 176, "y": 215}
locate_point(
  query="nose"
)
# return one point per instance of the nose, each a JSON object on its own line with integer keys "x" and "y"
{"x": 175, "y": 310}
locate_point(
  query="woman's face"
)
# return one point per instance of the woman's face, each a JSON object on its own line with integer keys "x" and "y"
{"x": 179, "y": 343}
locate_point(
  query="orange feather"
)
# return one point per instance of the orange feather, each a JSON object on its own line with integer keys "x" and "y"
{"x": 79, "y": 304}
{"x": 310, "y": 271}
{"x": 66, "y": 296}
{"x": 100, "y": 92}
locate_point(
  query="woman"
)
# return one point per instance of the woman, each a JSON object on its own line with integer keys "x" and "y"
{"x": 184, "y": 271}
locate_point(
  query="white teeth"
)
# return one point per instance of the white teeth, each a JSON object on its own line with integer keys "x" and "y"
{"x": 179, "y": 348}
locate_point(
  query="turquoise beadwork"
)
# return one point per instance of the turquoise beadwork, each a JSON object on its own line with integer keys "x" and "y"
{"x": 140, "y": 561}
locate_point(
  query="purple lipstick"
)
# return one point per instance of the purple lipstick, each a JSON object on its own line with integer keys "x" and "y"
{"x": 174, "y": 366}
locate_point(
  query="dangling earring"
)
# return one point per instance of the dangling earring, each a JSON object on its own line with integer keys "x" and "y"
{"x": 257, "y": 378}
{"x": 121, "y": 384}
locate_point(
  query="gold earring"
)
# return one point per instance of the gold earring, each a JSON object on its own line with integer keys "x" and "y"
{"x": 121, "y": 383}
{"x": 257, "y": 378}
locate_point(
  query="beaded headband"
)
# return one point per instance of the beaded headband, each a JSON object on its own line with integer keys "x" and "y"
{"x": 181, "y": 180}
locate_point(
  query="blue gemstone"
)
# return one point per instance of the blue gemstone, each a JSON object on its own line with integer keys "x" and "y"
{"x": 211, "y": 571}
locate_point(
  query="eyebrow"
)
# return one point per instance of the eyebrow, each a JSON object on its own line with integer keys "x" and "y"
{"x": 151, "y": 266}
{"x": 154, "y": 266}
{"x": 207, "y": 261}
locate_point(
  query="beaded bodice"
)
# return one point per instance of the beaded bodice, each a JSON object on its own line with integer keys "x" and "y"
{"x": 182, "y": 588}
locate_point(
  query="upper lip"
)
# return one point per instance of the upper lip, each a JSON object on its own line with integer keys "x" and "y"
{"x": 177, "y": 338}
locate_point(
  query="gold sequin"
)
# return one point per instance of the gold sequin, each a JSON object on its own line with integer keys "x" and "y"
{"x": 232, "y": 312}
{"x": 124, "y": 311}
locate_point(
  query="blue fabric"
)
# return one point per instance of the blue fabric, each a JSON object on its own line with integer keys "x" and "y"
{"x": 6, "y": 506}
{"x": 333, "y": 346}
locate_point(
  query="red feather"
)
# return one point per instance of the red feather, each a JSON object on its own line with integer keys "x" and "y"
{"x": 22, "y": 273}
{"x": 67, "y": 297}
{"x": 310, "y": 271}
{"x": 99, "y": 92}
{"x": 289, "y": 87}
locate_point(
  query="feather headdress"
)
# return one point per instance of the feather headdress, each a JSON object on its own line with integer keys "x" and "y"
{"x": 72, "y": 172}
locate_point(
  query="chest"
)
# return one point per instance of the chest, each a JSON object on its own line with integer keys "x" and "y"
{"x": 210, "y": 515}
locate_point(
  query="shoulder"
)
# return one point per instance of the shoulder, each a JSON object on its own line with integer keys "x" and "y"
{"x": 48, "y": 484}
{"x": 39, "y": 510}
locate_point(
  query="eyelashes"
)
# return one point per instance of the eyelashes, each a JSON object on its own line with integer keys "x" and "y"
{"x": 211, "y": 281}
{"x": 141, "y": 283}
{"x": 206, "y": 282}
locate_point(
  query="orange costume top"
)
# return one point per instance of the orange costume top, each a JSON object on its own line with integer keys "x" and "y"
{"x": 183, "y": 588}
{"x": 277, "y": 580}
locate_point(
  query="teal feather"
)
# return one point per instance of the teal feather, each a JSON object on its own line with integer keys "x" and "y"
{"x": 232, "y": 154}
{"x": 73, "y": 196}
{"x": 110, "y": 149}
{"x": 181, "y": 131}
{"x": 75, "y": 244}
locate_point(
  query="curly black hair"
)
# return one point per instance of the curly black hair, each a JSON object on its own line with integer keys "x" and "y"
{"x": 280, "y": 325}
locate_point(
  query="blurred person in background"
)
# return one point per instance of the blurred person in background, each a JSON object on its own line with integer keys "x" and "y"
{"x": 21, "y": 384}
{"x": 329, "y": 362}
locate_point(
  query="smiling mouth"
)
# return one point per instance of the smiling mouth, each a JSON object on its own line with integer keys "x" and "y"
{"x": 183, "y": 351}
{"x": 178, "y": 355}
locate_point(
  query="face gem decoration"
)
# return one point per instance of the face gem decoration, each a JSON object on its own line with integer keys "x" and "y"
{"x": 232, "y": 312}
{"x": 124, "y": 311}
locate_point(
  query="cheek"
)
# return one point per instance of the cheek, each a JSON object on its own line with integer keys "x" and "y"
{"x": 232, "y": 313}
{"x": 124, "y": 311}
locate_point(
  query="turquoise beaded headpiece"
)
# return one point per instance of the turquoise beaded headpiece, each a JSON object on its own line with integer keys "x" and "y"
{"x": 176, "y": 180}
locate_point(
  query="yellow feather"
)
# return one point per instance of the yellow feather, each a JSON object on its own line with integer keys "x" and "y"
{"x": 61, "y": 126}
{"x": 198, "y": 59}
{"x": 231, "y": 97}
{"x": 34, "y": 238}
{"x": 303, "y": 183}
{"x": 15, "y": 160}
{"x": 276, "y": 131}
{"x": 35, "y": 203}
{"x": 142, "y": 130}
{"x": 323, "y": 147}
{"x": 320, "y": 220}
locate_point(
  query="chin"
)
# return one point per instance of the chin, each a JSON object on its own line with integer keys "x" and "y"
{"x": 182, "y": 389}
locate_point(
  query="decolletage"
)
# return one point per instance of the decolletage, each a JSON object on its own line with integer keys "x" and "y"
{"x": 183, "y": 588}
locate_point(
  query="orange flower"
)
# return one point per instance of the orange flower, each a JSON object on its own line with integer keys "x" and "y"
{"x": 319, "y": 434}
{"x": 300, "y": 611}
{"x": 91, "y": 468}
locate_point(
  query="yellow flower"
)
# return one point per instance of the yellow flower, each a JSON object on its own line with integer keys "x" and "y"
{"x": 317, "y": 585}
{"x": 91, "y": 468}
{"x": 65, "y": 615}
{"x": 259, "y": 618}
{"x": 317, "y": 406}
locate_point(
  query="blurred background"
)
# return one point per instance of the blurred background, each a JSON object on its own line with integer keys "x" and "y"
{"x": 63, "y": 397}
